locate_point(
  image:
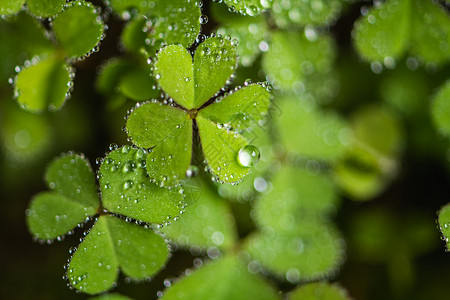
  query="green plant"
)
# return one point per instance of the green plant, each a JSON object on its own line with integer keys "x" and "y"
{"x": 243, "y": 178}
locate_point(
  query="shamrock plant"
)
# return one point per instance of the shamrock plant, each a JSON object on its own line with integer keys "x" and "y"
{"x": 46, "y": 80}
{"x": 113, "y": 242}
{"x": 196, "y": 103}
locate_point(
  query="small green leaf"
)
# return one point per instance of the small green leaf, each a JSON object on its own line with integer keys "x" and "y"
{"x": 431, "y": 35}
{"x": 241, "y": 108}
{"x": 359, "y": 174}
{"x": 378, "y": 131}
{"x": 8, "y": 7}
{"x": 214, "y": 63}
{"x": 127, "y": 190}
{"x": 440, "y": 109}
{"x": 138, "y": 84}
{"x": 384, "y": 32}
{"x": 173, "y": 22}
{"x": 296, "y": 195}
{"x": 174, "y": 73}
{"x": 169, "y": 131}
{"x": 113, "y": 296}
{"x": 251, "y": 33}
{"x": 25, "y": 137}
{"x": 206, "y": 223}
{"x": 140, "y": 252}
{"x": 43, "y": 85}
{"x": 45, "y": 8}
{"x": 72, "y": 176}
{"x": 111, "y": 73}
{"x": 292, "y": 57}
{"x": 216, "y": 277}
{"x": 23, "y": 37}
{"x": 306, "y": 12}
{"x": 311, "y": 251}
{"x": 306, "y": 130}
{"x": 444, "y": 223}
{"x": 246, "y": 7}
{"x": 78, "y": 28}
{"x": 319, "y": 291}
{"x": 94, "y": 267}
{"x": 221, "y": 148}
{"x": 114, "y": 243}
{"x": 167, "y": 22}
{"x": 51, "y": 215}
{"x": 133, "y": 36}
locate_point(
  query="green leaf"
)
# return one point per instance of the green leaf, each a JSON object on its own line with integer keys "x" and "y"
{"x": 214, "y": 63}
{"x": 111, "y": 73}
{"x": 296, "y": 195}
{"x": 173, "y": 22}
{"x": 133, "y": 36}
{"x": 78, "y": 28}
{"x": 45, "y": 8}
{"x": 431, "y": 38}
{"x": 127, "y": 190}
{"x": 251, "y": 33}
{"x": 440, "y": 109}
{"x": 25, "y": 137}
{"x": 311, "y": 251}
{"x": 319, "y": 291}
{"x": 169, "y": 131}
{"x": 168, "y": 22}
{"x": 114, "y": 243}
{"x": 113, "y": 296}
{"x": 360, "y": 174}
{"x": 206, "y": 223}
{"x": 43, "y": 85}
{"x": 292, "y": 57}
{"x": 216, "y": 278}
{"x": 22, "y": 38}
{"x": 307, "y": 131}
{"x": 444, "y": 223}
{"x": 9, "y": 7}
{"x": 378, "y": 131}
{"x": 241, "y": 108}
{"x": 246, "y": 7}
{"x": 140, "y": 252}
{"x": 384, "y": 32}
{"x": 174, "y": 73}
{"x": 51, "y": 215}
{"x": 306, "y": 12}
{"x": 71, "y": 176}
{"x": 221, "y": 148}
{"x": 138, "y": 84}
{"x": 94, "y": 267}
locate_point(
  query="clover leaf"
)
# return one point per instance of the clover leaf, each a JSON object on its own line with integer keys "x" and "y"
{"x": 72, "y": 199}
{"x": 169, "y": 128}
{"x": 46, "y": 81}
{"x": 215, "y": 278}
{"x": 112, "y": 242}
{"x": 39, "y": 8}
{"x": 387, "y": 31}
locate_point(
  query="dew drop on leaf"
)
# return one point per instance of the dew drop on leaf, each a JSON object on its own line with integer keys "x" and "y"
{"x": 248, "y": 156}
{"x": 192, "y": 171}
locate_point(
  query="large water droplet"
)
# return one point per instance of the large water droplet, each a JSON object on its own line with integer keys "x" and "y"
{"x": 248, "y": 156}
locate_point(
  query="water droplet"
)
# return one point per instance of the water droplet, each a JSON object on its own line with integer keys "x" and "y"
{"x": 192, "y": 171}
{"x": 248, "y": 156}
{"x": 128, "y": 185}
